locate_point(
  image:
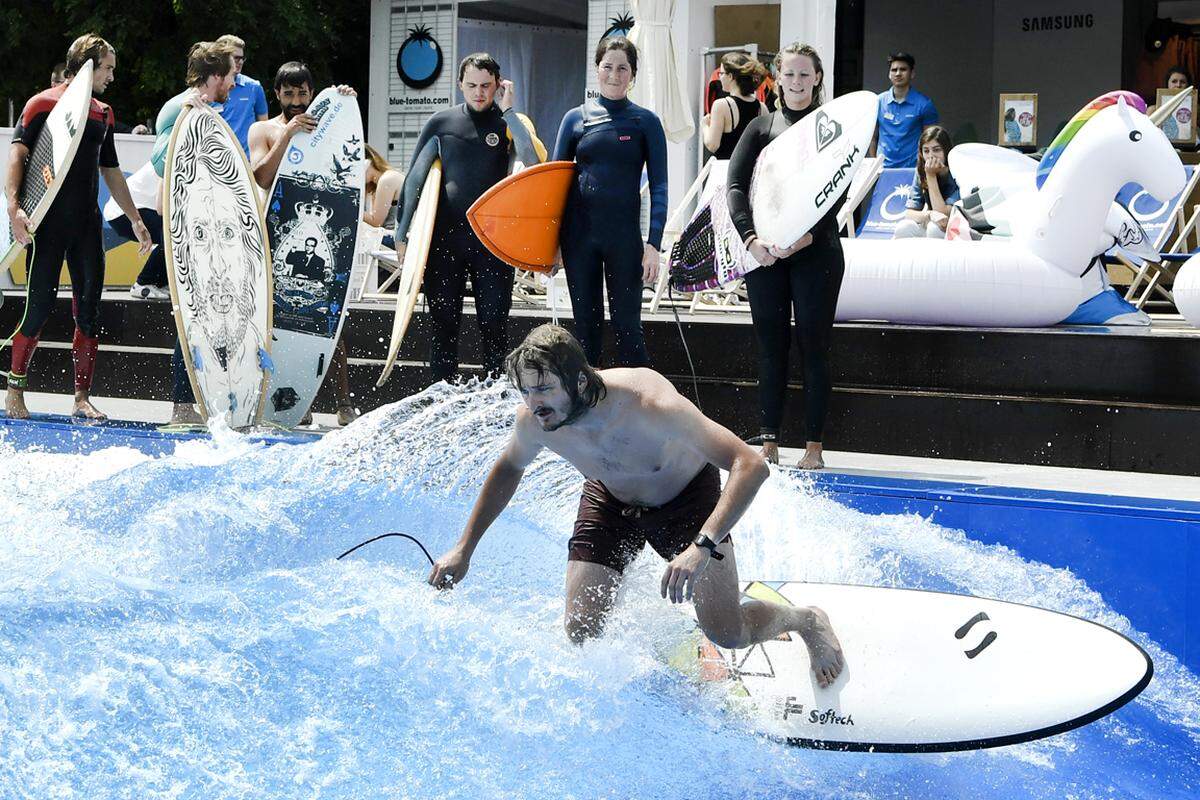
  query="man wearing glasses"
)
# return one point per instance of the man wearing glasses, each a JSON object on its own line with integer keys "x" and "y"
{"x": 247, "y": 102}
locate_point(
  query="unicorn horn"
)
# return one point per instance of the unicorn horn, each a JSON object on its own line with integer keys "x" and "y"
{"x": 1168, "y": 108}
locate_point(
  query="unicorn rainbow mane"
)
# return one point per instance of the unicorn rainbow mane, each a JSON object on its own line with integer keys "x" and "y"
{"x": 1081, "y": 118}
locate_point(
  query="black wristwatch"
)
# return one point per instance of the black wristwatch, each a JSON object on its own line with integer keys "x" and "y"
{"x": 703, "y": 541}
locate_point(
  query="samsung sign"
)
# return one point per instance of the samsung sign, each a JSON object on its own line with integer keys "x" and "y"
{"x": 1058, "y": 22}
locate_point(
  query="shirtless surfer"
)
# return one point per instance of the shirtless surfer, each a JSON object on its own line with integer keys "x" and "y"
{"x": 651, "y": 460}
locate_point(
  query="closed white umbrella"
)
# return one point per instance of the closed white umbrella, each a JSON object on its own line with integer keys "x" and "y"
{"x": 658, "y": 87}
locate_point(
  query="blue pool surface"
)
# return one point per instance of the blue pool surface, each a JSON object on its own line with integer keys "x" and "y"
{"x": 173, "y": 624}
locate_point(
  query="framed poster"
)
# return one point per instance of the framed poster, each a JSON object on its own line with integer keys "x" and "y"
{"x": 1180, "y": 127}
{"x": 1018, "y": 120}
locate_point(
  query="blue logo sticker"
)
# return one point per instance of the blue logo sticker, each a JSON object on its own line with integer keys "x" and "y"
{"x": 295, "y": 156}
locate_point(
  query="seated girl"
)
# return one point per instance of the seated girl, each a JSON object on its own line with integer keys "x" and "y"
{"x": 933, "y": 189}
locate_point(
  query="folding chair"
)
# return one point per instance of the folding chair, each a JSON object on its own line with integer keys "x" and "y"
{"x": 860, "y": 189}
{"x": 1171, "y": 233}
{"x": 885, "y": 209}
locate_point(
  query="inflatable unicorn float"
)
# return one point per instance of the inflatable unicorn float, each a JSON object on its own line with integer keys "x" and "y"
{"x": 1059, "y": 215}
{"x": 1039, "y": 275}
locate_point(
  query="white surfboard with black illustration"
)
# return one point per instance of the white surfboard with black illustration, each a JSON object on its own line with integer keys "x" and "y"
{"x": 313, "y": 211}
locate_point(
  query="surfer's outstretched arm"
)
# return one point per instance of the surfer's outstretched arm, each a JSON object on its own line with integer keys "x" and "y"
{"x": 498, "y": 489}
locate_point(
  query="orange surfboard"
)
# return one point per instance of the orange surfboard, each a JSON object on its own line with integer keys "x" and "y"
{"x": 518, "y": 219}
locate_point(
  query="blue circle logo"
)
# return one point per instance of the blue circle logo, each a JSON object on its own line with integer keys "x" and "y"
{"x": 419, "y": 62}
{"x": 295, "y": 156}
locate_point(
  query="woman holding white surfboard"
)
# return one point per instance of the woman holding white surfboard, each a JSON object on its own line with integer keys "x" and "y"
{"x": 803, "y": 276}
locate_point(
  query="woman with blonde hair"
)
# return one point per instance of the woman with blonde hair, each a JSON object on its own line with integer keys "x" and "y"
{"x": 800, "y": 278}
{"x": 724, "y": 125}
{"x": 383, "y": 184}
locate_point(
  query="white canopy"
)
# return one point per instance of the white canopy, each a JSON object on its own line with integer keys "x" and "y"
{"x": 658, "y": 87}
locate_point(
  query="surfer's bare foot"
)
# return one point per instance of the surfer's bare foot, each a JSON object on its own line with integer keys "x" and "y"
{"x": 83, "y": 408}
{"x": 824, "y": 649}
{"x": 185, "y": 414}
{"x": 14, "y": 404}
{"x": 812, "y": 458}
{"x": 770, "y": 451}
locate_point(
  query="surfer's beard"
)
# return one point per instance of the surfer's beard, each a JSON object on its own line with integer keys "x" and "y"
{"x": 291, "y": 112}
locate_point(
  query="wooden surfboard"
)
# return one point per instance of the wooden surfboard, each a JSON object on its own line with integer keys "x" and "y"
{"x": 219, "y": 267}
{"x": 420, "y": 237}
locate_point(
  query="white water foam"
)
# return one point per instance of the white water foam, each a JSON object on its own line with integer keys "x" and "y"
{"x": 177, "y": 627}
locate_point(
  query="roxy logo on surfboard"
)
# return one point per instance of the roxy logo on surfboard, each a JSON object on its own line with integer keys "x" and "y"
{"x": 828, "y": 130}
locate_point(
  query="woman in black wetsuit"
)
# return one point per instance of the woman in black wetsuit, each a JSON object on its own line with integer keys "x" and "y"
{"x": 803, "y": 276}
{"x": 722, "y": 127}
{"x": 609, "y": 139}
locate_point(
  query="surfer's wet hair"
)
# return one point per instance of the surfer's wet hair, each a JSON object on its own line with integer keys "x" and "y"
{"x": 87, "y": 46}
{"x": 294, "y": 73}
{"x": 618, "y": 43}
{"x": 481, "y": 61}
{"x": 799, "y": 49}
{"x": 550, "y": 349}
{"x": 746, "y": 72}
{"x": 207, "y": 59}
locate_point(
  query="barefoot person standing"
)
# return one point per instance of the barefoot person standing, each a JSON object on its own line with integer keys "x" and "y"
{"x": 652, "y": 464}
{"x": 71, "y": 228}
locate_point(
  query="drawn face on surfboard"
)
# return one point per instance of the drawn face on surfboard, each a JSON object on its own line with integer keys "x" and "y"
{"x": 216, "y": 254}
{"x": 103, "y": 73}
{"x": 545, "y": 396}
{"x": 798, "y": 80}
{"x": 294, "y": 100}
{"x": 216, "y": 235}
{"x": 478, "y": 87}
{"x": 614, "y": 74}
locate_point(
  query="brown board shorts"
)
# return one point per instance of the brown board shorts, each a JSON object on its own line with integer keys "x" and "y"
{"x": 612, "y": 533}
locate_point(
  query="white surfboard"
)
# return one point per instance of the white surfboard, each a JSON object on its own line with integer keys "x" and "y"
{"x": 218, "y": 264}
{"x": 927, "y": 671}
{"x": 51, "y": 157}
{"x": 420, "y": 237}
{"x": 800, "y": 175}
{"x": 797, "y": 179}
{"x": 313, "y": 211}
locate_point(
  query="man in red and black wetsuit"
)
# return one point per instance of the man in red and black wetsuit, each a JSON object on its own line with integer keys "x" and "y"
{"x": 70, "y": 229}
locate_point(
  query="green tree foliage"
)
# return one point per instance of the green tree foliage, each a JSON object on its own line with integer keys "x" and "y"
{"x": 152, "y": 38}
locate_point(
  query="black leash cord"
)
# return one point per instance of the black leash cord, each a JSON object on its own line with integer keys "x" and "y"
{"x": 686, "y": 349}
{"x": 384, "y": 536}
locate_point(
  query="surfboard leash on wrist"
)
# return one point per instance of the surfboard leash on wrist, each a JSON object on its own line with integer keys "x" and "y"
{"x": 413, "y": 539}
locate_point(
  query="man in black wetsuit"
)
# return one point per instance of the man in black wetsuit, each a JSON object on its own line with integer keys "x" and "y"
{"x": 477, "y": 141}
{"x": 71, "y": 227}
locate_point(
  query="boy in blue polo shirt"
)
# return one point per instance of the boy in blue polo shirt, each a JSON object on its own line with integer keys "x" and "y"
{"x": 247, "y": 102}
{"x": 903, "y": 114}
